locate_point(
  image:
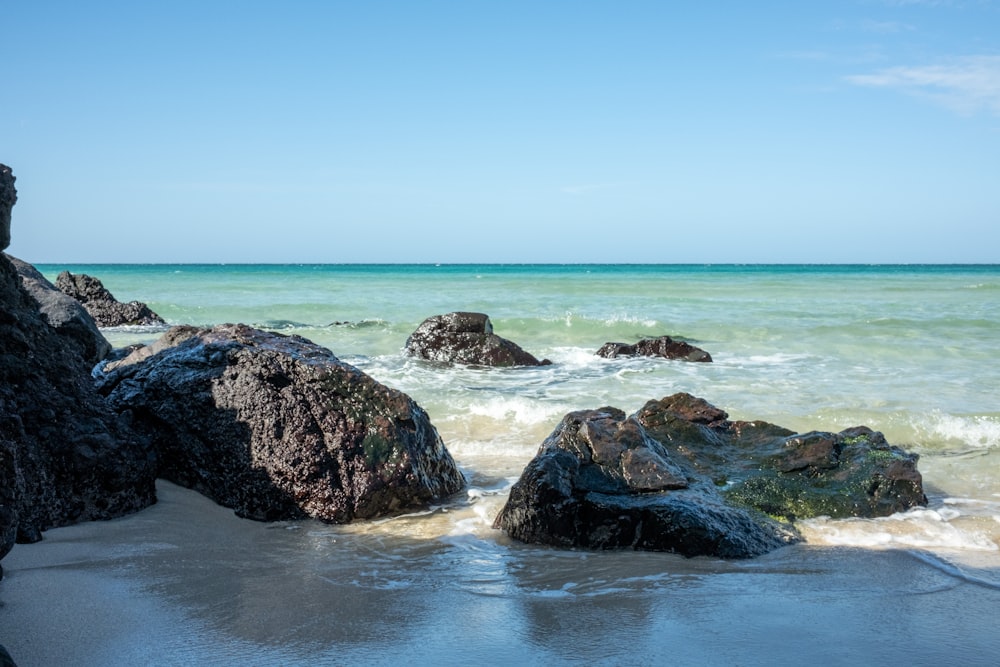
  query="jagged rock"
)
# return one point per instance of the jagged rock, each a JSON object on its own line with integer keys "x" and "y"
{"x": 277, "y": 427}
{"x": 64, "y": 313}
{"x": 600, "y": 482}
{"x": 466, "y": 338}
{"x": 664, "y": 346}
{"x": 106, "y": 310}
{"x": 65, "y": 456}
{"x": 11, "y": 494}
{"x": 853, "y": 473}
{"x": 678, "y": 476}
{"x": 8, "y": 197}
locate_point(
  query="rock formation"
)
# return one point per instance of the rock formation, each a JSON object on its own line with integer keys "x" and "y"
{"x": 678, "y": 476}
{"x": 466, "y": 338}
{"x": 664, "y": 346}
{"x": 106, "y": 310}
{"x": 64, "y": 313}
{"x": 64, "y": 455}
{"x": 853, "y": 473}
{"x": 8, "y": 197}
{"x": 277, "y": 427}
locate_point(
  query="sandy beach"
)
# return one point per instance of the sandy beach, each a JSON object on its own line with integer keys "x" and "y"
{"x": 187, "y": 582}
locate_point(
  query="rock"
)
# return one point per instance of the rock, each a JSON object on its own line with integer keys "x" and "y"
{"x": 277, "y": 427}
{"x": 679, "y": 476}
{"x": 600, "y": 482}
{"x": 853, "y": 473}
{"x": 664, "y": 346}
{"x": 102, "y": 305}
{"x": 8, "y": 197}
{"x": 64, "y": 313}
{"x": 65, "y": 456}
{"x": 11, "y": 494}
{"x": 466, "y": 338}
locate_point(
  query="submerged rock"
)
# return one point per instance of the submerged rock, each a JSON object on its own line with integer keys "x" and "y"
{"x": 65, "y": 456}
{"x": 277, "y": 427}
{"x": 664, "y": 346}
{"x": 678, "y": 476}
{"x": 466, "y": 338}
{"x": 106, "y": 310}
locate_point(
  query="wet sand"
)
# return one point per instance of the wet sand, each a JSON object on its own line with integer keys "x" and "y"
{"x": 186, "y": 582}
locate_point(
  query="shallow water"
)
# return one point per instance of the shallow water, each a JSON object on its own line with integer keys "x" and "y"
{"x": 186, "y": 582}
{"x": 909, "y": 351}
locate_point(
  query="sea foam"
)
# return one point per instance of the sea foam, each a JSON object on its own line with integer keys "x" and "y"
{"x": 920, "y": 528}
{"x": 976, "y": 432}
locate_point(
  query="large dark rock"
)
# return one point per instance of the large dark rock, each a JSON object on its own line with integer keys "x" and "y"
{"x": 664, "y": 346}
{"x": 64, "y": 313}
{"x": 277, "y": 427}
{"x": 466, "y": 338}
{"x": 8, "y": 197}
{"x": 11, "y": 495}
{"x": 65, "y": 456}
{"x": 853, "y": 473}
{"x": 600, "y": 482}
{"x": 106, "y": 310}
{"x": 678, "y": 476}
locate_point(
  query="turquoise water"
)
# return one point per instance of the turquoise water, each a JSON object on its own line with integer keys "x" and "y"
{"x": 907, "y": 350}
{"x": 910, "y": 350}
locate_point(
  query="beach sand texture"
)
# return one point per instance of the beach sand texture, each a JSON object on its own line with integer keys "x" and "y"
{"x": 186, "y": 582}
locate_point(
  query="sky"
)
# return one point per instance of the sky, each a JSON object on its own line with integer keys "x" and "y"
{"x": 474, "y": 131}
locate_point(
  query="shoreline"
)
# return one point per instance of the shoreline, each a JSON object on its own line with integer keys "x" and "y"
{"x": 187, "y": 582}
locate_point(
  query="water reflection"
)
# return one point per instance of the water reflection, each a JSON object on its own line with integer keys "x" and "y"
{"x": 442, "y": 587}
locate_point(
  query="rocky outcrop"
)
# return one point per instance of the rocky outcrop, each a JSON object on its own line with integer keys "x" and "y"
{"x": 277, "y": 427}
{"x": 106, "y": 310}
{"x": 65, "y": 456}
{"x": 853, "y": 473}
{"x": 664, "y": 346}
{"x": 66, "y": 315}
{"x": 11, "y": 496}
{"x": 678, "y": 476}
{"x": 8, "y": 197}
{"x": 466, "y": 338}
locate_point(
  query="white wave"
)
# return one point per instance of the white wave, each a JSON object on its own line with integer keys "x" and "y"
{"x": 917, "y": 528}
{"x": 776, "y": 359}
{"x": 499, "y": 456}
{"x": 977, "y": 432}
{"x": 136, "y": 328}
{"x": 622, "y": 318}
{"x": 570, "y": 319}
{"x": 575, "y": 357}
{"x": 519, "y": 409}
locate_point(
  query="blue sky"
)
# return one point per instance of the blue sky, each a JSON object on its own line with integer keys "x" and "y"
{"x": 468, "y": 131}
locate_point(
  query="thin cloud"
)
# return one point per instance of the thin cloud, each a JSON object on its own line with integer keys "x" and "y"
{"x": 860, "y": 56}
{"x": 871, "y": 26}
{"x": 965, "y": 85}
{"x": 886, "y": 27}
{"x": 585, "y": 189}
{"x": 923, "y": 3}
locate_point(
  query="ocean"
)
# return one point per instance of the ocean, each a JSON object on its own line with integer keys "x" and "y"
{"x": 908, "y": 350}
